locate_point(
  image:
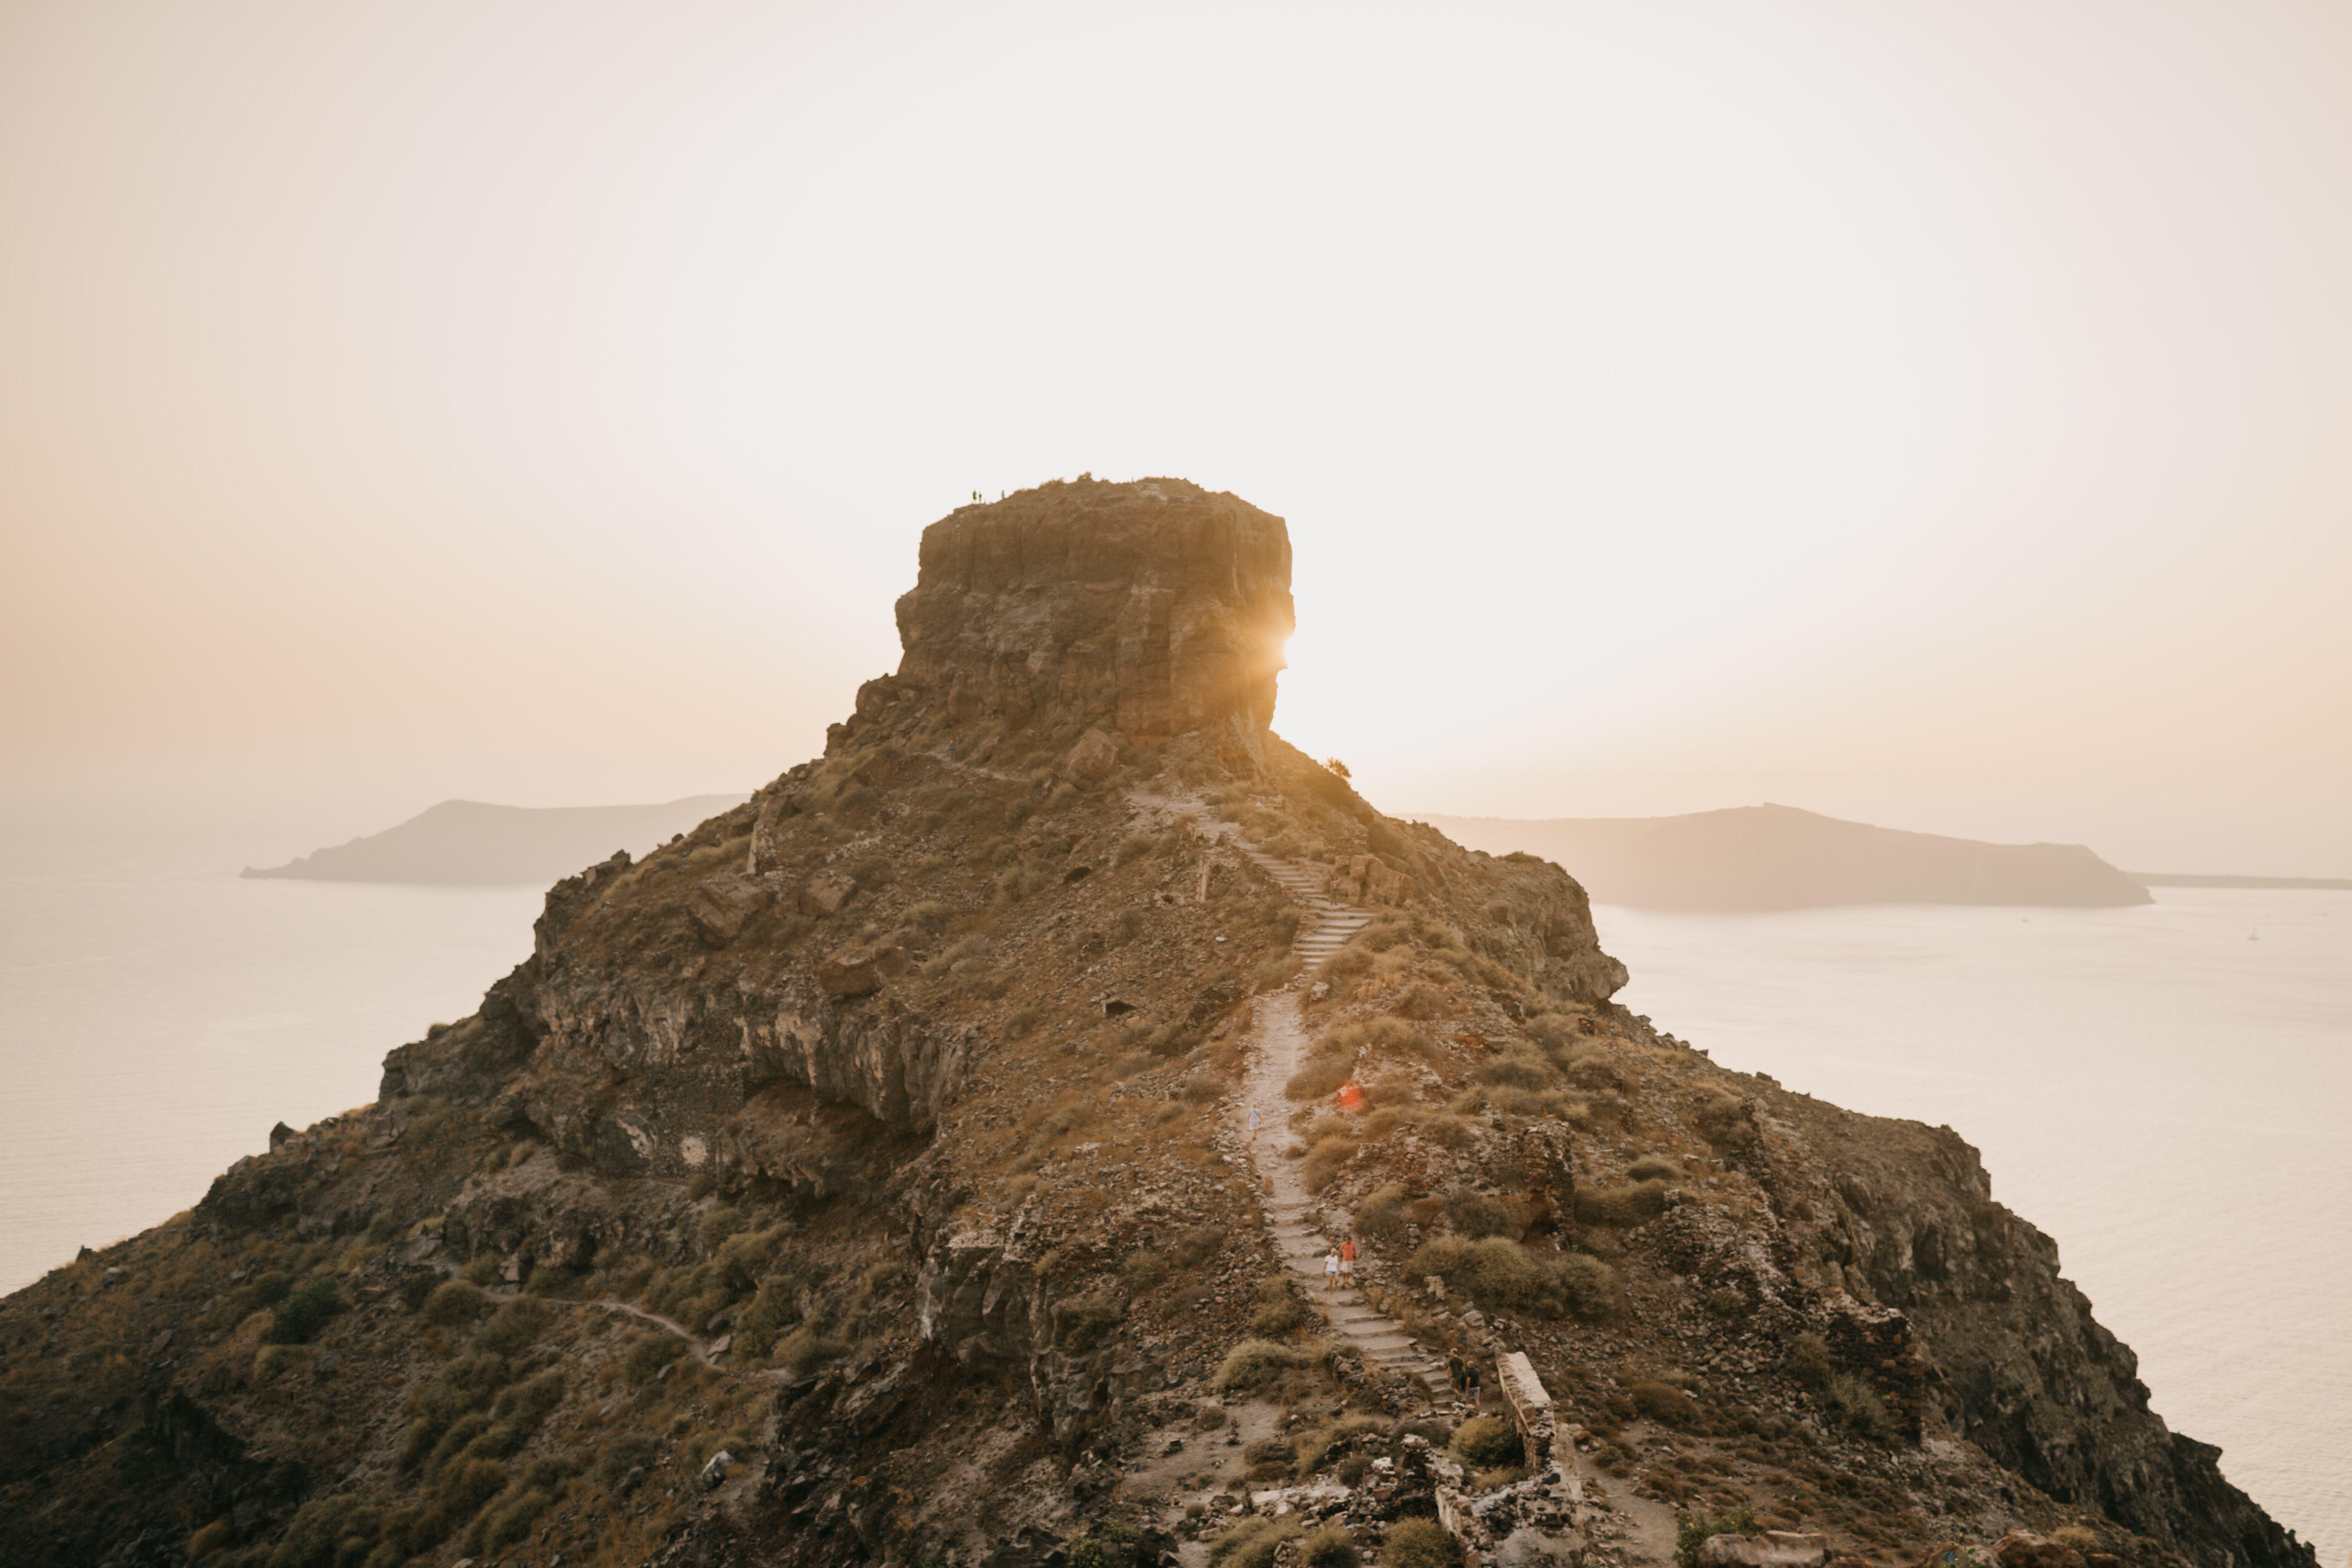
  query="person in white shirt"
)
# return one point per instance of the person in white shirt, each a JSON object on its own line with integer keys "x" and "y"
{"x": 1331, "y": 1270}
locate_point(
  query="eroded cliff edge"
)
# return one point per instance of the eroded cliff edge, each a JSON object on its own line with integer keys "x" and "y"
{"x": 878, "y": 1134}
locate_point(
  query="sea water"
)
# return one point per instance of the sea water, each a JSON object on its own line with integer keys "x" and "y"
{"x": 2163, "y": 1095}
{"x": 154, "y": 1028}
{"x": 2164, "y": 1090}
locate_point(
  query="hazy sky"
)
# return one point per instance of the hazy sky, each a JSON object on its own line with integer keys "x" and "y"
{"x": 1936, "y": 415}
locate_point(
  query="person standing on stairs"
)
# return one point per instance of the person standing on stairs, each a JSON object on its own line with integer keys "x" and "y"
{"x": 1331, "y": 1271}
{"x": 1470, "y": 1383}
{"x": 1252, "y": 1123}
{"x": 1347, "y": 1261}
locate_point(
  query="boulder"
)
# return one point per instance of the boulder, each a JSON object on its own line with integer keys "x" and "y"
{"x": 1092, "y": 760}
{"x": 827, "y": 893}
{"x": 278, "y": 1138}
{"x": 720, "y": 907}
{"x": 858, "y": 968}
{"x": 1773, "y": 1549}
{"x": 715, "y": 1472}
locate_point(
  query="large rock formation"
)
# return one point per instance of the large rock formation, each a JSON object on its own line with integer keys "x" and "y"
{"x": 880, "y": 1133}
{"x": 1154, "y": 608}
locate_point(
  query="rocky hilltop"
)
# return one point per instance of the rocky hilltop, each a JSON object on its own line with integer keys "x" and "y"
{"x": 932, "y": 1159}
{"x": 1778, "y": 857}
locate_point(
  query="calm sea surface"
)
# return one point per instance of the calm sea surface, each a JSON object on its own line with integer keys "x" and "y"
{"x": 2163, "y": 1096}
{"x": 2166, "y": 1097}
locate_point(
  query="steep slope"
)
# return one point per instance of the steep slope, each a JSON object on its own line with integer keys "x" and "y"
{"x": 867, "y": 1177}
{"x": 1777, "y": 857}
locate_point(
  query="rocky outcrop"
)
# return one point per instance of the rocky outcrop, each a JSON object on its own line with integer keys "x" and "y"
{"x": 1154, "y": 608}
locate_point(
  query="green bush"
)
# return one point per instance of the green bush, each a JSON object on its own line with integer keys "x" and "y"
{"x": 1088, "y": 1321}
{"x": 1653, "y": 1168}
{"x": 297, "y": 1320}
{"x": 1420, "y": 1543}
{"x": 650, "y": 1355}
{"x": 452, "y": 1303}
{"x": 717, "y": 1225}
{"x": 1483, "y": 1442}
{"x": 1497, "y": 1273}
{"x": 1254, "y": 1363}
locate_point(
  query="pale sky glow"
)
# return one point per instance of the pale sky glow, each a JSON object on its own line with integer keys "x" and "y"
{"x": 1935, "y": 414}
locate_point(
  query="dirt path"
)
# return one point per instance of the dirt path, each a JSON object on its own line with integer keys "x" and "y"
{"x": 1304, "y": 1233}
{"x": 701, "y": 1351}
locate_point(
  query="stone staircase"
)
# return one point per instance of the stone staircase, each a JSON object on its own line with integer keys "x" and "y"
{"x": 1293, "y": 1216}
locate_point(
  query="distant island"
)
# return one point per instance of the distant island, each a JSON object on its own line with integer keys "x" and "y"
{"x": 2191, "y": 879}
{"x": 466, "y": 842}
{"x": 1778, "y": 857}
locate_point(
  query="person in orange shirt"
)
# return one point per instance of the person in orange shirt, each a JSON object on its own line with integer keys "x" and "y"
{"x": 1347, "y": 1260}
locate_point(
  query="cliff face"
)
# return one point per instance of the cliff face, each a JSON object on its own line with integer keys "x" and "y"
{"x": 1154, "y": 608}
{"x": 885, "y": 1135}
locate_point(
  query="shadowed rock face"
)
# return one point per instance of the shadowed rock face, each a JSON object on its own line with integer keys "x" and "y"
{"x": 1154, "y": 607}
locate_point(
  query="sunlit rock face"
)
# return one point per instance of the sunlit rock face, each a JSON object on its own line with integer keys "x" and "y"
{"x": 1155, "y": 607}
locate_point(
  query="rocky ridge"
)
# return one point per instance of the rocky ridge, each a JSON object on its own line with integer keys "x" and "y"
{"x": 862, "y": 1177}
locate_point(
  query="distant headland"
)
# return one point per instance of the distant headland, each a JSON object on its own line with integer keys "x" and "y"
{"x": 1778, "y": 857}
{"x": 466, "y": 842}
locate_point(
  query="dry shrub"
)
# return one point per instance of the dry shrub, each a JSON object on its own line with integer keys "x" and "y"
{"x": 1254, "y": 1363}
{"x": 1420, "y": 1000}
{"x": 1498, "y": 1273}
{"x": 1251, "y": 1542}
{"x": 1419, "y": 1543}
{"x": 1479, "y": 1215}
{"x": 1629, "y": 1205}
{"x": 452, "y": 1303}
{"x": 1382, "y": 1216}
{"x": 1329, "y": 1547}
{"x": 1197, "y": 1246}
{"x": 1486, "y": 1442}
{"x": 1316, "y": 1080}
{"x": 1324, "y": 1161}
{"x": 1664, "y": 1404}
{"x": 1653, "y": 1168}
{"x": 1515, "y": 1071}
{"x": 1085, "y": 1321}
{"x": 1809, "y": 1361}
{"x": 1725, "y": 1121}
{"x": 1858, "y": 1407}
